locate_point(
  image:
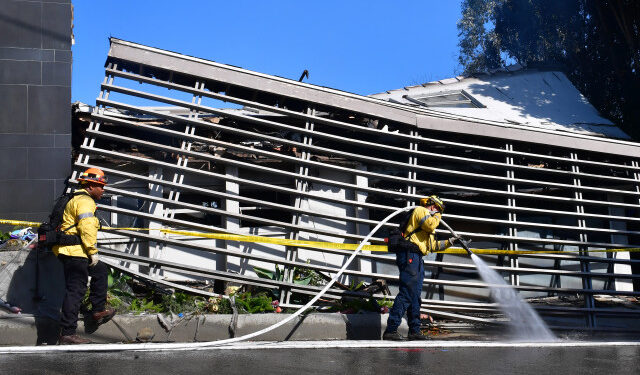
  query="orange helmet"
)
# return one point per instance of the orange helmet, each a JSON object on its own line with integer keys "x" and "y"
{"x": 93, "y": 175}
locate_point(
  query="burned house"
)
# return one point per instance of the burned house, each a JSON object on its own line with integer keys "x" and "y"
{"x": 199, "y": 152}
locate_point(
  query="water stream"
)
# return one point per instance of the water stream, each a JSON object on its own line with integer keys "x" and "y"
{"x": 524, "y": 322}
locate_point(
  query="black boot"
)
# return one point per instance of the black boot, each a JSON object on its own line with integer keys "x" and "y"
{"x": 393, "y": 336}
{"x": 73, "y": 340}
{"x": 417, "y": 336}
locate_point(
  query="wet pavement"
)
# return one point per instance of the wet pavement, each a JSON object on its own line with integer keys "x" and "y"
{"x": 343, "y": 357}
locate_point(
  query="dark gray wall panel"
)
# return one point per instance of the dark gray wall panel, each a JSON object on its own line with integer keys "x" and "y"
{"x": 62, "y": 140}
{"x": 31, "y": 216}
{"x": 26, "y": 196}
{"x": 56, "y": 25}
{"x": 20, "y": 24}
{"x": 56, "y": 73}
{"x": 20, "y": 72}
{"x": 24, "y": 140}
{"x": 22, "y": 54}
{"x": 49, "y": 109}
{"x": 48, "y": 162}
{"x": 35, "y": 116}
{"x": 13, "y": 162}
{"x": 13, "y": 114}
{"x": 63, "y": 56}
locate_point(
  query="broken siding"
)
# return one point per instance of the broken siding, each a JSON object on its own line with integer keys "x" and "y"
{"x": 305, "y": 162}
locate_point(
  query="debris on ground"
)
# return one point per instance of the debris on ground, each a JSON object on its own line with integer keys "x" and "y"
{"x": 165, "y": 323}
{"x": 426, "y": 317}
{"x": 14, "y": 244}
{"x": 145, "y": 334}
{"x": 13, "y": 309}
{"x": 435, "y": 330}
{"x": 601, "y": 300}
{"x": 25, "y": 234}
{"x": 605, "y": 300}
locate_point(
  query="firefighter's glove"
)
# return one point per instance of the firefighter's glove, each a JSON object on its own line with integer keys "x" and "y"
{"x": 94, "y": 259}
{"x": 453, "y": 240}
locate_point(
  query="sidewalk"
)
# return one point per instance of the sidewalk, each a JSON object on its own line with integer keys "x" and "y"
{"x": 29, "y": 330}
{"x": 38, "y": 323}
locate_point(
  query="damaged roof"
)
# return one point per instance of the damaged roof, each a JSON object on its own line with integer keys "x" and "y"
{"x": 527, "y": 97}
{"x": 394, "y": 105}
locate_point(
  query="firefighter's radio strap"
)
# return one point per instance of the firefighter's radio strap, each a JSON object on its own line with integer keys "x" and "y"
{"x": 398, "y": 242}
{"x": 51, "y": 233}
{"x": 418, "y": 228}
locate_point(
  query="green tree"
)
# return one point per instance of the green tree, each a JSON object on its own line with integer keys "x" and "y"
{"x": 595, "y": 42}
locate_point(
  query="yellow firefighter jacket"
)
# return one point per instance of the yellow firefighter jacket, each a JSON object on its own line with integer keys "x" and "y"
{"x": 80, "y": 210}
{"x": 425, "y": 238}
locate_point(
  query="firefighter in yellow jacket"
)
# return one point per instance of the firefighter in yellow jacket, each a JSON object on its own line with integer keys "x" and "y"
{"x": 420, "y": 231}
{"x": 81, "y": 260}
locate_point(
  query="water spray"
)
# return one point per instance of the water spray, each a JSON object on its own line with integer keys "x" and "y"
{"x": 524, "y": 321}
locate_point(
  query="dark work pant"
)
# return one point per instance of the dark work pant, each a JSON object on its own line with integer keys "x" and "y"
{"x": 411, "y": 267}
{"x": 76, "y": 274}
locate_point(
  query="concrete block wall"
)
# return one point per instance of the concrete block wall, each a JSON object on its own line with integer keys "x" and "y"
{"x": 35, "y": 110}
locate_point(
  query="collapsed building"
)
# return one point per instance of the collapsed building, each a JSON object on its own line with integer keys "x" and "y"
{"x": 522, "y": 160}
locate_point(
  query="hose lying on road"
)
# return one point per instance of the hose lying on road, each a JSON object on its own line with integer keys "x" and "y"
{"x": 202, "y": 345}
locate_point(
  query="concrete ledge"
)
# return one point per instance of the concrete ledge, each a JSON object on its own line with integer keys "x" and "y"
{"x": 32, "y": 330}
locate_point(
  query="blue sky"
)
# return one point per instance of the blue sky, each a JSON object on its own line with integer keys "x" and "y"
{"x": 363, "y": 47}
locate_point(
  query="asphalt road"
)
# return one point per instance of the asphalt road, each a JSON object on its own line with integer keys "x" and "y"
{"x": 343, "y": 358}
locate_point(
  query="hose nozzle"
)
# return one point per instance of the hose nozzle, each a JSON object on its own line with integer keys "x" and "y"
{"x": 464, "y": 243}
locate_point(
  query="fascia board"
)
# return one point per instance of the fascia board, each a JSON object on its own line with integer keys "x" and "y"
{"x": 536, "y": 136}
{"x": 257, "y": 81}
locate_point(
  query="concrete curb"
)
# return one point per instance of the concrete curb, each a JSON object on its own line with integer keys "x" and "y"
{"x": 25, "y": 329}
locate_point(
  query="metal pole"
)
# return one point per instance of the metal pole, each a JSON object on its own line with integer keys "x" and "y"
{"x": 514, "y": 278}
{"x": 291, "y": 252}
{"x": 584, "y": 250}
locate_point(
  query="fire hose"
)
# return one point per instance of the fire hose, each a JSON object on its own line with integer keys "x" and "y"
{"x": 203, "y": 345}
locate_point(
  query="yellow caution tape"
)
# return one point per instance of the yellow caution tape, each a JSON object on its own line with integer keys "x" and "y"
{"x": 270, "y": 240}
{"x": 523, "y": 252}
{"x": 329, "y": 245}
{"x": 343, "y": 246}
{"x": 17, "y": 222}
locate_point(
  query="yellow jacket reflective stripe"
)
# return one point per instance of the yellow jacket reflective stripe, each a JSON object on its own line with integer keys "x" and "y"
{"x": 81, "y": 210}
{"x": 425, "y": 239}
